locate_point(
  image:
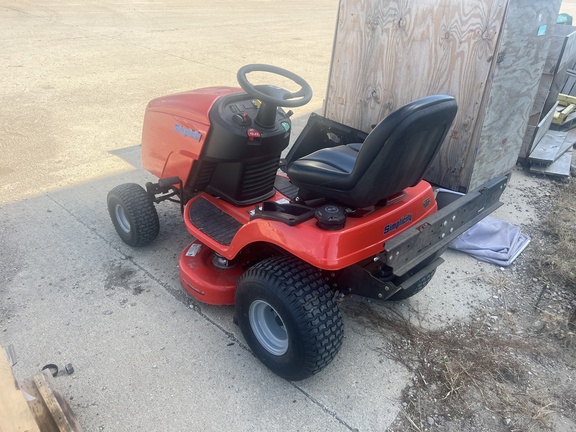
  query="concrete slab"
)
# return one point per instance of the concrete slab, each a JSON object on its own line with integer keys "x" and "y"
{"x": 76, "y": 77}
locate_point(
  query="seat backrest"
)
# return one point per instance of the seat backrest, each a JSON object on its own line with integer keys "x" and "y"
{"x": 398, "y": 151}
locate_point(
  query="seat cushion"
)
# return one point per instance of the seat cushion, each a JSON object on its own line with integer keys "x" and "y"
{"x": 330, "y": 166}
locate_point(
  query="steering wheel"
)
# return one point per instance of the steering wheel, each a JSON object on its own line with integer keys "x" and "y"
{"x": 271, "y": 96}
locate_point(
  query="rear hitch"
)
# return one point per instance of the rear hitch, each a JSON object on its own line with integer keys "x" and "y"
{"x": 379, "y": 285}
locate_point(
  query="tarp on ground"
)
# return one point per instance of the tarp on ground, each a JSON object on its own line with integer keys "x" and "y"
{"x": 492, "y": 240}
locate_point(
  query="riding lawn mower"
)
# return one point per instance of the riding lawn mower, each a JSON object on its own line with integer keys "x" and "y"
{"x": 284, "y": 239}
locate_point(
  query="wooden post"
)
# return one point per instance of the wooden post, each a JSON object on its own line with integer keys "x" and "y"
{"x": 15, "y": 416}
{"x": 43, "y": 410}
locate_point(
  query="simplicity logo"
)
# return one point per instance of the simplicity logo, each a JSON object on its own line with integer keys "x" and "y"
{"x": 188, "y": 132}
{"x": 398, "y": 224}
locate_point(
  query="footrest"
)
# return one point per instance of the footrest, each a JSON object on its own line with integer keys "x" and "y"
{"x": 288, "y": 213}
{"x": 213, "y": 222}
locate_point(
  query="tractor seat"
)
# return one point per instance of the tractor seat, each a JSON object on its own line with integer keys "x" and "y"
{"x": 395, "y": 155}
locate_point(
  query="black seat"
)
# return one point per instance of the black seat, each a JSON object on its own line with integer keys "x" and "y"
{"x": 394, "y": 156}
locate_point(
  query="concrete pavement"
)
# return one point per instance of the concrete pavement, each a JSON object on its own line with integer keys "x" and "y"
{"x": 76, "y": 77}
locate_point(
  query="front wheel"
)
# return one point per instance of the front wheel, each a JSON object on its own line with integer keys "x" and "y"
{"x": 133, "y": 214}
{"x": 289, "y": 317}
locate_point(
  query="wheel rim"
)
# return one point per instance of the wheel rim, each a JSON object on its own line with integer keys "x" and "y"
{"x": 268, "y": 328}
{"x": 122, "y": 219}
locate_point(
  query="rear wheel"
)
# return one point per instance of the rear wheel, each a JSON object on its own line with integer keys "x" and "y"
{"x": 289, "y": 317}
{"x": 414, "y": 289}
{"x": 133, "y": 214}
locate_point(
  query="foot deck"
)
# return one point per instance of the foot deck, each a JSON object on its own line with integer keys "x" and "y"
{"x": 213, "y": 222}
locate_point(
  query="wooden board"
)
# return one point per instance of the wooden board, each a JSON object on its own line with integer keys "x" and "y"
{"x": 568, "y": 123}
{"x": 49, "y": 407}
{"x": 14, "y": 413}
{"x": 570, "y": 141}
{"x": 535, "y": 133}
{"x": 34, "y": 405}
{"x": 544, "y": 125}
{"x": 390, "y": 52}
{"x": 560, "y": 116}
{"x": 556, "y": 48}
{"x": 566, "y": 99}
{"x": 527, "y": 142}
{"x": 566, "y": 144}
{"x": 549, "y": 147}
{"x": 38, "y": 407}
{"x": 515, "y": 81}
{"x": 57, "y": 404}
{"x": 559, "y": 168}
{"x": 551, "y": 66}
{"x": 566, "y": 61}
{"x": 567, "y": 58}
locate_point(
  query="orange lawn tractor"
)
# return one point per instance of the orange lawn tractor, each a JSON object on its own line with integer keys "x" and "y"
{"x": 349, "y": 212}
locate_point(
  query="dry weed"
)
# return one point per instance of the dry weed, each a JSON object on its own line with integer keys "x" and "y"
{"x": 458, "y": 369}
{"x": 559, "y": 326}
{"x": 557, "y": 261}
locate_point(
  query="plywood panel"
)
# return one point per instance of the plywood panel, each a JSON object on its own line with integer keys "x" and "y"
{"x": 556, "y": 48}
{"x": 523, "y": 52}
{"x": 550, "y": 69}
{"x": 534, "y": 134}
{"x": 388, "y": 53}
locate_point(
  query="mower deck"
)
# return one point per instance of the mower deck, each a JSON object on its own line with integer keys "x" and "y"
{"x": 203, "y": 279}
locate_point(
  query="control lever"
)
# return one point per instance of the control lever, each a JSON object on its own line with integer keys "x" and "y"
{"x": 242, "y": 119}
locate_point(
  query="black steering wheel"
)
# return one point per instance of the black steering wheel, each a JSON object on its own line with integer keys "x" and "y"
{"x": 271, "y": 96}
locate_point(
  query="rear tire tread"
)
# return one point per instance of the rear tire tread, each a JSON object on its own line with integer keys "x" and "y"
{"x": 314, "y": 307}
